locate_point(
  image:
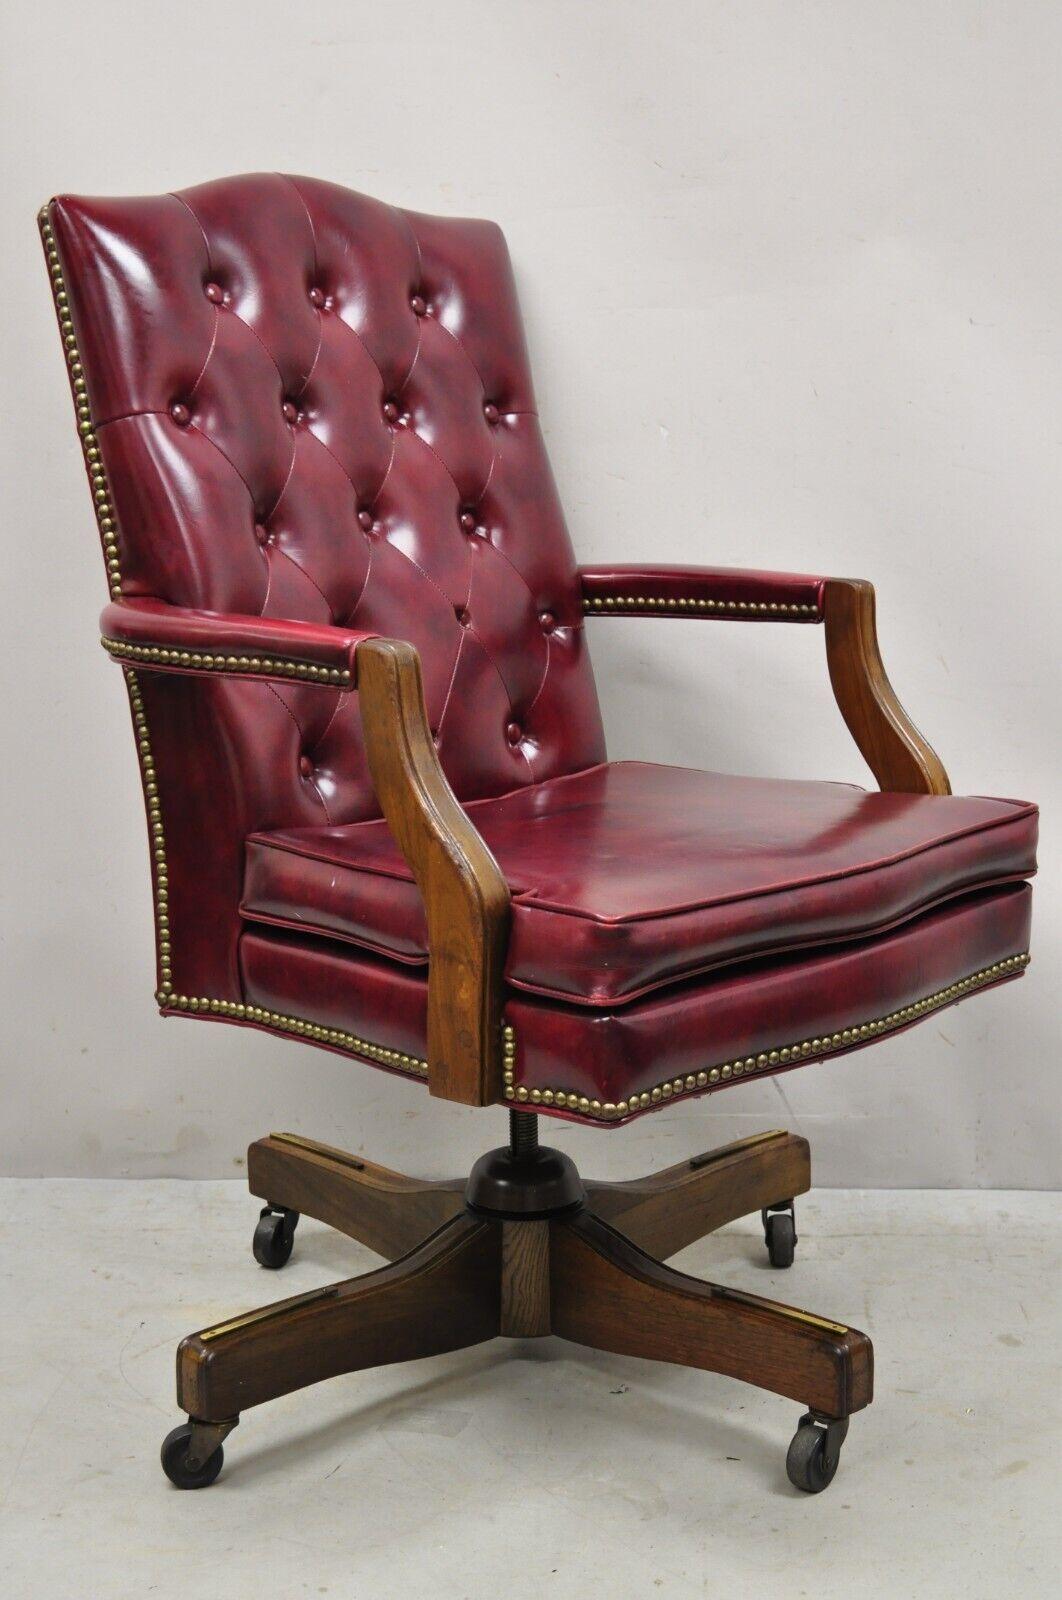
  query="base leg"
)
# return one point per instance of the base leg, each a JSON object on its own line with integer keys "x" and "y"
{"x": 444, "y": 1295}
{"x": 668, "y": 1210}
{"x": 384, "y": 1210}
{"x": 607, "y": 1293}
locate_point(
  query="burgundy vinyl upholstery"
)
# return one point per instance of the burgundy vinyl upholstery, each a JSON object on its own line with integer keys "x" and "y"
{"x": 307, "y": 405}
{"x": 629, "y": 876}
{"x": 176, "y": 639}
{"x": 307, "y": 418}
{"x": 721, "y": 592}
{"x": 687, "y": 1039}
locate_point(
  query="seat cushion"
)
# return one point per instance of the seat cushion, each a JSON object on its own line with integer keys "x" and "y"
{"x": 693, "y": 1038}
{"x": 629, "y": 876}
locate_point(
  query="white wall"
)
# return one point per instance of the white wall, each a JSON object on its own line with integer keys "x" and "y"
{"x": 792, "y": 276}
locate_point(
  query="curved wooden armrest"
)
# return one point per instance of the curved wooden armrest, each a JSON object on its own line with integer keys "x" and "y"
{"x": 466, "y": 898}
{"x": 894, "y": 750}
{"x": 892, "y": 746}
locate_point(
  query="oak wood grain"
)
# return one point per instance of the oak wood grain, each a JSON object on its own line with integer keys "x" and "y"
{"x": 466, "y": 898}
{"x": 525, "y": 1279}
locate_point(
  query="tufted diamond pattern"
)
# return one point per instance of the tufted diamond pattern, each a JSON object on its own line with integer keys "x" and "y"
{"x": 303, "y": 405}
{"x": 311, "y": 405}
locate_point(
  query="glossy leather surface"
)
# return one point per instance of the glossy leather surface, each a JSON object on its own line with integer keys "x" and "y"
{"x": 631, "y": 875}
{"x": 308, "y": 417}
{"x": 607, "y": 1056}
{"x": 178, "y": 629}
{"x": 311, "y": 406}
{"x": 735, "y": 592}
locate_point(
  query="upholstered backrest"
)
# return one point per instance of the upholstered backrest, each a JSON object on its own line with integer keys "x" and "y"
{"x": 306, "y": 404}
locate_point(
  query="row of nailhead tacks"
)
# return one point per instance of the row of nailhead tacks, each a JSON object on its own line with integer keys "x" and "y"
{"x": 645, "y": 602}
{"x": 108, "y": 533}
{"x": 764, "y": 1061}
{"x": 209, "y": 663}
{"x": 105, "y": 518}
{"x": 93, "y": 460}
{"x": 158, "y": 838}
{"x": 306, "y": 1030}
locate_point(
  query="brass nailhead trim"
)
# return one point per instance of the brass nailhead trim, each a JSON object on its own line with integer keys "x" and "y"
{"x": 157, "y": 837}
{"x": 735, "y": 608}
{"x": 165, "y": 996}
{"x": 108, "y": 527}
{"x": 766, "y": 1060}
{"x": 279, "y": 666}
{"x": 508, "y": 1060}
{"x": 101, "y": 499}
{"x": 336, "y": 1037}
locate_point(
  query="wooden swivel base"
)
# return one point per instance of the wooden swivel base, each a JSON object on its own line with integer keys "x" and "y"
{"x": 522, "y": 1249}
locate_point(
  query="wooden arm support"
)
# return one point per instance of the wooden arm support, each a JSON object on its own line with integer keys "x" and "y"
{"x": 466, "y": 898}
{"x": 891, "y": 745}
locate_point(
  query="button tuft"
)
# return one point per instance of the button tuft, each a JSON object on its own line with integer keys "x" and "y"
{"x": 365, "y": 521}
{"x": 514, "y": 733}
{"x": 418, "y": 305}
{"x": 391, "y": 411}
{"x": 547, "y": 621}
{"x": 491, "y": 412}
{"x": 291, "y": 411}
{"x": 305, "y": 766}
{"x": 261, "y": 533}
{"x": 468, "y": 521}
{"x": 463, "y": 616}
{"x": 180, "y": 414}
{"x": 317, "y": 297}
{"x": 215, "y": 293}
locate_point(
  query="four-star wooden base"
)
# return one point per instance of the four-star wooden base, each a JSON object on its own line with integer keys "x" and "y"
{"x": 522, "y": 1249}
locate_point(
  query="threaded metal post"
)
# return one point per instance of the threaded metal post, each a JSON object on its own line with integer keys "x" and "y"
{"x": 523, "y": 1133}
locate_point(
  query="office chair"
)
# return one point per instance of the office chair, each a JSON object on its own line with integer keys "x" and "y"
{"x": 382, "y": 821}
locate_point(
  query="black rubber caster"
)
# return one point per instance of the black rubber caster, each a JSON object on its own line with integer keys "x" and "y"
{"x": 815, "y": 1452}
{"x": 184, "y": 1470}
{"x": 274, "y": 1236}
{"x": 779, "y": 1230}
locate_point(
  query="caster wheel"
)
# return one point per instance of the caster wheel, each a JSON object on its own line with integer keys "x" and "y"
{"x": 779, "y": 1231}
{"x": 814, "y": 1453}
{"x": 274, "y": 1237}
{"x": 175, "y": 1462}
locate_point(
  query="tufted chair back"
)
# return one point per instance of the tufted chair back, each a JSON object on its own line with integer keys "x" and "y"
{"x": 301, "y": 403}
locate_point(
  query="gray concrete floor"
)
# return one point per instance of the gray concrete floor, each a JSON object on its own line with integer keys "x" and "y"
{"x": 531, "y": 1469}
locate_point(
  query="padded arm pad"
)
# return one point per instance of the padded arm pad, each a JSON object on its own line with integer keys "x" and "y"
{"x": 703, "y": 592}
{"x": 164, "y": 638}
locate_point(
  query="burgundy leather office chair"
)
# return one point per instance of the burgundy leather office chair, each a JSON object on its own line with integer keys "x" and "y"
{"x": 382, "y": 820}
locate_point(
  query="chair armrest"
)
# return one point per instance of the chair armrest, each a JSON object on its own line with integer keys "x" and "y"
{"x": 894, "y": 750}
{"x": 900, "y": 758}
{"x": 727, "y": 592}
{"x": 163, "y": 638}
{"x": 466, "y": 898}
